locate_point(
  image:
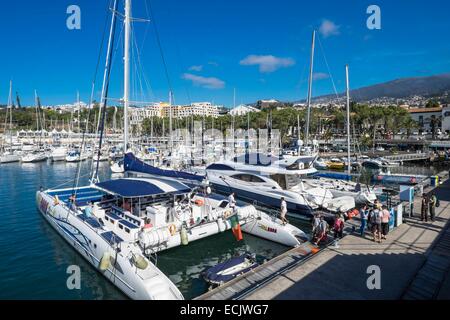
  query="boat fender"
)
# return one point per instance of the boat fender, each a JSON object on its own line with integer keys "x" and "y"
{"x": 105, "y": 261}
{"x": 172, "y": 230}
{"x": 140, "y": 262}
{"x": 199, "y": 203}
{"x": 184, "y": 237}
{"x": 221, "y": 224}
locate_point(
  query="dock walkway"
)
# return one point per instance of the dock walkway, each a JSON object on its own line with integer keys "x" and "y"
{"x": 411, "y": 256}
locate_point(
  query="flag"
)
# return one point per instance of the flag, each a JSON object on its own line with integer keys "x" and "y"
{"x": 236, "y": 227}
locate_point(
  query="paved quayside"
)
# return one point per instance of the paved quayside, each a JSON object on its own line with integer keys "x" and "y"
{"x": 413, "y": 254}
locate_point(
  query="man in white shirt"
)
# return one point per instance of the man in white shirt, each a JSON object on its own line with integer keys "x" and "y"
{"x": 232, "y": 202}
{"x": 283, "y": 211}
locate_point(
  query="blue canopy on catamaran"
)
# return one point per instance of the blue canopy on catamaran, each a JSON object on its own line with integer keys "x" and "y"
{"x": 133, "y": 188}
{"x": 131, "y": 163}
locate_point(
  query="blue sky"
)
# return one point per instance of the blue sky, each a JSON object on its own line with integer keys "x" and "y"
{"x": 261, "y": 48}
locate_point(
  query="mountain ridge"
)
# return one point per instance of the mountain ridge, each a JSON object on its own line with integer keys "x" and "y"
{"x": 398, "y": 89}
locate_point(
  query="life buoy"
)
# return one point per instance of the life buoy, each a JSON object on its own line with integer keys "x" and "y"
{"x": 172, "y": 229}
{"x": 227, "y": 214}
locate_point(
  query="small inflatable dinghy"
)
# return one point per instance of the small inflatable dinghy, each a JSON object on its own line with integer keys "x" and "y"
{"x": 230, "y": 269}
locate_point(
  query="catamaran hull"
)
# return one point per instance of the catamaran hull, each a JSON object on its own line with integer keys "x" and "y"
{"x": 91, "y": 246}
{"x": 262, "y": 226}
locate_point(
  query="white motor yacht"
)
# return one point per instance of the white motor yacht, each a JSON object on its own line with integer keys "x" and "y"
{"x": 35, "y": 156}
{"x": 266, "y": 181}
{"x": 58, "y": 154}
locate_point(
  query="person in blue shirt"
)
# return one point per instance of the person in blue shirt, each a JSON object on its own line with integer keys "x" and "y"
{"x": 364, "y": 215}
{"x": 88, "y": 210}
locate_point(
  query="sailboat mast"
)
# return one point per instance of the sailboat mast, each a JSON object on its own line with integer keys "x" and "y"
{"x": 79, "y": 111}
{"x": 348, "y": 118}
{"x": 126, "y": 96}
{"x": 10, "y": 106}
{"x": 170, "y": 120}
{"x": 37, "y": 112}
{"x": 311, "y": 70}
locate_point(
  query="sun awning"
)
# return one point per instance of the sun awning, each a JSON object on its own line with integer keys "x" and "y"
{"x": 133, "y": 164}
{"x": 137, "y": 188}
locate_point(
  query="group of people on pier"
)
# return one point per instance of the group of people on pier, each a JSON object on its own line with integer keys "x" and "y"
{"x": 429, "y": 204}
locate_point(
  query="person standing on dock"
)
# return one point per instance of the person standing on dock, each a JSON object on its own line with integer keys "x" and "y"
{"x": 338, "y": 227}
{"x": 424, "y": 211}
{"x": 386, "y": 217}
{"x": 364, "y": 215}
{"x": 376, "y": 225}
{"x": 283, "y": 211}
{"x": 433, "y": 202}
{"x": 321, "y": 232}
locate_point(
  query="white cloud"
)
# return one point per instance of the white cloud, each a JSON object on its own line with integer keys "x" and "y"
{"x": 204, "y": 82}
{"x": 320, "y": 76}
{"x": 213, "y": 63}
{"x": 267, "y": 63}
{"x": 329, "y": 28}
{"x": 196, "y": 68}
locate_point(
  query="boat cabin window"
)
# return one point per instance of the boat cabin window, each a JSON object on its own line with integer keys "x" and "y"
{"x": 280, "y": 179}
{"x": 218, "y": 166}
{"x": 248, "y": 178}
{"x": 223, "y": 204}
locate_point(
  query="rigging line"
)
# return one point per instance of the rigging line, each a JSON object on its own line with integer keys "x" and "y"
{"x": 142, "y": 76}
{"x": 147, "y": 25}
{"x": 181, "y": 61}
{"x": 147, "y": 83}
{"x": 139, "y": 71}
{"x": 328, "y": 67}
{"x": 158, "y": 40}
{"x": 77, "y": 177}
{"x": 138, "y": 67}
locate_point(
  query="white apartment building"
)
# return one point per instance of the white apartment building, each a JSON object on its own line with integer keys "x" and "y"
{"x": 139, "y": 114}
{"x": 424, "y": 116}
{"x": 163, "y": 110}
{"x": 446, "y": 118}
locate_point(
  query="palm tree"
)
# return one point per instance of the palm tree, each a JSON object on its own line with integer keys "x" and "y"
{"x": 376, "y": 116}
{"x": 409, "y": 124}
{"x": 434, "y": 124}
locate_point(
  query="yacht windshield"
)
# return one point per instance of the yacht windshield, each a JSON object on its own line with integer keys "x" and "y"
{"x": 286, "y": 181}
{"x": 280, "y": 179}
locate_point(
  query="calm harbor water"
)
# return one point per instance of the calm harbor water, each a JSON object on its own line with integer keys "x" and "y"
{"x": 34, "y": 258}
